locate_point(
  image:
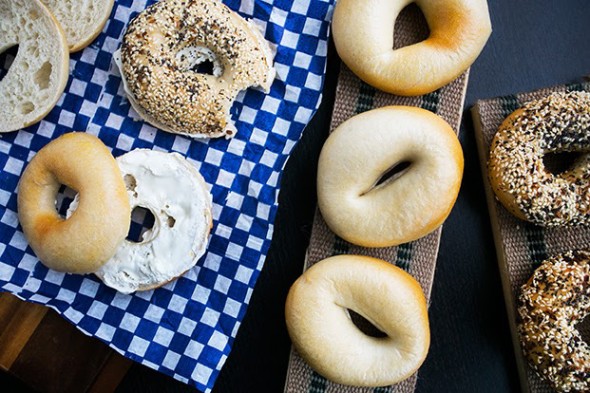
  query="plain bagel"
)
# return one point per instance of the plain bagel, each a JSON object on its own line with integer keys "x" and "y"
{"x": 360, "y": 199}
{"x": 323, "y": 333}
{"x": 363, "y": 34}
{"x": 162, "y": 47}
{"x": 86, "y": 240}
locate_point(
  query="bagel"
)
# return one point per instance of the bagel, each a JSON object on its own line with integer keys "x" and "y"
{"x": 39, "y": 73}
{"x": 550, "y": 304}
{"x": 81, "y": 23}
{"x": 518, "y": 175}
{"x": 163, "y": 45}
{"x": 365, "y": 206}
{"x": 87, "y": 239}
{"x": 320, "y": 325}
{"x": 176, "y": 194}
{"x": 363, "y": 33}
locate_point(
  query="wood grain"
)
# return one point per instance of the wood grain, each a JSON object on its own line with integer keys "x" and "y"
{"x": 49, "y": 354}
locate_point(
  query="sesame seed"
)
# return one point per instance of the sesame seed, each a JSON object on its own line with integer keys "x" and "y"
{"x": 167, "y": 88}
{"x": 557, "y": 123}
{"x": 550, "y": 305}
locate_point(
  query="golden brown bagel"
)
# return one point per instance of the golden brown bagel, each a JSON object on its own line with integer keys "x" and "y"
{"x": 404, "y": 207}
{"x": 321, "y": 329}
{"x": 85, "y": 241}
{"x": 363, "y": 34}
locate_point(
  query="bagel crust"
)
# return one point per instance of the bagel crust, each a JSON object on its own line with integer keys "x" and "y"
{"x": 551, "y": 303}
{"x": 361, "y": 207}
{"x": 86, "y": 240}
{"x": 363, "y": 33}
{"x": 323, "y": 333}
{"x": 557, "y": 123}
{"x": 164, "y": 44}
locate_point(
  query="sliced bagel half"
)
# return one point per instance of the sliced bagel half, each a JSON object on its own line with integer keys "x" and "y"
{"x": 39, "y": 73}
{"x": 82, "y": 21}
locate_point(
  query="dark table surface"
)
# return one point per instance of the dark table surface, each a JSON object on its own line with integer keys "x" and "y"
{"x": 534, "y": 44}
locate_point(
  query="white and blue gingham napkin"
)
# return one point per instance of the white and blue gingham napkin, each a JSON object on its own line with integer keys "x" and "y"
{"x": 186, "y": 328}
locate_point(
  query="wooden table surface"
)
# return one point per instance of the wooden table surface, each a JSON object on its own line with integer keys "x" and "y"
{"x": 534, "y": 44}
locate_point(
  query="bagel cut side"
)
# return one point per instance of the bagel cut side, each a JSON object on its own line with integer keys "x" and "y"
{"x": 39, "y": 73}
{"x": 81, "y": 23}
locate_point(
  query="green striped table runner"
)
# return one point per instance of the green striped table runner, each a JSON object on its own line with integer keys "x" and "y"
{"x": 418, "y": 257}
{"x": 520, "y": 246}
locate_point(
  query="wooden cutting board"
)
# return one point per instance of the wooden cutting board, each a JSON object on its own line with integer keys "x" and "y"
{"x": 521, "y": 246}
{"x": 49, "y": 354}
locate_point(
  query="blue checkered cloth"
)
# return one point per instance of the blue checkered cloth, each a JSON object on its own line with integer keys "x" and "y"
{"x": 186, "y": 328}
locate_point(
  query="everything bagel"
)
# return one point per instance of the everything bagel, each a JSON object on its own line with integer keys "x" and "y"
{"x": 553, "y": 301}
{"x": 519, "y": 177}
{"x": 164, "y": 44}
{"x": 363, "y": 34}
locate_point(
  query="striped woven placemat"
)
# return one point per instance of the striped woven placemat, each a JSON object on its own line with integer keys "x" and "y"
{"x": 417, "y": 257}
{"x": 520, "y": 246}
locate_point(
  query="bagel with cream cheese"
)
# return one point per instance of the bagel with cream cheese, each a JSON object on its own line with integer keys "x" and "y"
{"x": 174, "y": 191}
{"x": 92, "y": 237}
{"x": 163, "y": 46}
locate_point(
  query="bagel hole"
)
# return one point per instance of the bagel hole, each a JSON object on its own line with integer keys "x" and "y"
{"x": 364, "y": 325}
{"x": 64, "y": 198}
{"x": 411, "y": 19}
{"x": 142, "y": 222}
{"x": 556, "y": 163}
{"x": 584, "y": 328}
{"x": 205, "y": 67}
{"x": 199, "y": 59}
{"x": 394, "y": 173}
{"x": 6, "y": 59}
